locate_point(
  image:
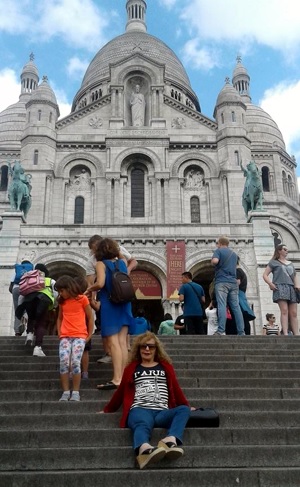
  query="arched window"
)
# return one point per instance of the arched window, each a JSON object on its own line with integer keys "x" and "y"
{"x": 39, "y": 115}
{"x": 222, "y": 117}
{"x": 50, "y": 117}
{"x": 195, "y": 209}
{"x": 4, "y": 178}
{"x": 237, "y": 157}
{"x": 36, "y": 157}
{"x": 233, "y": 117}
{"x": 265, "y": 175}
{"x": 79, "y": 210}
{"x": 137, "y": 193}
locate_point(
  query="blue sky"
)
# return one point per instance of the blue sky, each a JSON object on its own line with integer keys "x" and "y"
{"x": 206, "y": 35}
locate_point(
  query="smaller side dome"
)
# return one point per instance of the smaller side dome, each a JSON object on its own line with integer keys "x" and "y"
{"x": 262, "y": 129}
{"x": 228, "y": 94}
{"x": 44, "y": 92}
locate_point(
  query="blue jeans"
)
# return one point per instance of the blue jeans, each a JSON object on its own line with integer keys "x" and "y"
{"x": 141, "y": 421}
{"x": 227, "y": 293}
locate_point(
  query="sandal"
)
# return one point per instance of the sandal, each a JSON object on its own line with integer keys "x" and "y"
{"x": 172, "y": 450}
{"x": 108, "y": 386}
{"x": 151, "y": 455}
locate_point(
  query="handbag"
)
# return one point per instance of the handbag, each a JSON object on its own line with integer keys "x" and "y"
{"x": 297, "y": 291}
{"x": 204, "y": 418}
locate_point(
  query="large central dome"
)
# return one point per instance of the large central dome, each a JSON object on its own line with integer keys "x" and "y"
{"x": 135, "y": 42}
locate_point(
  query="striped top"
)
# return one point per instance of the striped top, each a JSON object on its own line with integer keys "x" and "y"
{"x": 271, "y": 330}
{"x": 151, "y": 390}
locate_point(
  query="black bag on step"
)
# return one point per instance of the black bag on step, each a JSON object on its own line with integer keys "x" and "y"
{"x": 204, "y": 418}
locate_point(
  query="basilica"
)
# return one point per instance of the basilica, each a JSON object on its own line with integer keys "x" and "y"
{"x": 137, "y": 160}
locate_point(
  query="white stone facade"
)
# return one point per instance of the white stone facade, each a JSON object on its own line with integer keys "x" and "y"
{"x": 191, "y": 183}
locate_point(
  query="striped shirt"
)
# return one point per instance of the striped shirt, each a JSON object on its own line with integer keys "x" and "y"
{"x": 271, "y": 330}
{"x": 151, "y": 390}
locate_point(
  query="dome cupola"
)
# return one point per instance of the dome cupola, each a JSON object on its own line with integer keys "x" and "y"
{"x": 136, "y": 15}
{"x": 241, "y": 80}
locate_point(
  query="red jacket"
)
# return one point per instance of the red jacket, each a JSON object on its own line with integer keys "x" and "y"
{"x": 125, "y": 392}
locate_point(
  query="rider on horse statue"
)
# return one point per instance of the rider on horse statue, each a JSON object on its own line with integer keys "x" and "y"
{"x": 19, "y": 188}
{"x": 253, "y": 190}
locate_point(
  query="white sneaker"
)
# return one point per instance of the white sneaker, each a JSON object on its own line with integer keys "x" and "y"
{"x": 38, "y": 352}
{"x": 29, "y": 339}
{"x": 75, "y": 396}
{"x": 106, "y": 359}
{"x": 65, "y": 396}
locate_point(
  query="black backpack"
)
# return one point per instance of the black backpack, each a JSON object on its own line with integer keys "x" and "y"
{"x": 121, "y": 286}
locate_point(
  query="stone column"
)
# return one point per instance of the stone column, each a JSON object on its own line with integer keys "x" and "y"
{"x": 263, "y": 245}
{"x": 9, "y": 251}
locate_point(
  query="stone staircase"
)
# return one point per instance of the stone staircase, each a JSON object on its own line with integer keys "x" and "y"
{"x": 254, "y": 383}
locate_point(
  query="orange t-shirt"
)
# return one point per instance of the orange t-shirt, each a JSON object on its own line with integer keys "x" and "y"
{"x": 73, "y": 317}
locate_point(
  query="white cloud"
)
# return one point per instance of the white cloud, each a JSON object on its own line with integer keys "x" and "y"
{"x": 13, "y": 16}
{"x": 76, "y": 67}
{"x": 275, "y": 24}
{"x": 199, "y": 57}
{"x": 80, "y": 23}
{"x": 281, "y": 102}
{"x": 10, "y": 88}
{"x": 62, "y": 100}
{"x": 168, "y": 3}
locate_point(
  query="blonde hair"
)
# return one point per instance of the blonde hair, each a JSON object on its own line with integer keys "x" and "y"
{"x": 160, "y": 353}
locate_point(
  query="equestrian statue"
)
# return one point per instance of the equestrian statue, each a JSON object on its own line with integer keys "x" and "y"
{"x": 19, "y": 188}
{"x": 252, "y": 198}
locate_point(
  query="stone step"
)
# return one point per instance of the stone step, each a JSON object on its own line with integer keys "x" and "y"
{"x": 92, "y": 406}
{"x": 253, "y": 382}
{"x": 122, "y": 437}
{"x": 83, "y": 457}
{"x": 166, "y": 477}
{"x": 228, "y": 419}
{"x": 212, "y": 393}
{"x": 95, "y": 368}
{"x": 199, "y": 382}
{"x": 187, "y": 372}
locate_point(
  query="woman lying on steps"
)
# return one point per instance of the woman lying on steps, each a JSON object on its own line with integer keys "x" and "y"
{"x": 151, "y": 397}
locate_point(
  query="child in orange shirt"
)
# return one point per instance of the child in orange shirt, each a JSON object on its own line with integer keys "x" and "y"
{"x": 74, "y": 314}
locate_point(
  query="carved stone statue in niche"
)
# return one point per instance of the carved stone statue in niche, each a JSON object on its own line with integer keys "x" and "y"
{"x": 194, "y": 179}
{"x": 138, "y": 106}
{"x": 82, "y": 180}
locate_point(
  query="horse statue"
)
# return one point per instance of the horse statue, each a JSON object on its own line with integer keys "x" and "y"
{"x": 252, "y": 198}
{"x": 19, "y": 188}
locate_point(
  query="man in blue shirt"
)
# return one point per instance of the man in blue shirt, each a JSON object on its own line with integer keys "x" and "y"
{"x": 192, "y": 294}
{"x": 226, "y": 286}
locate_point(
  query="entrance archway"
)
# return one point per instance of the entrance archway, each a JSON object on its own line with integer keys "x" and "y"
{"x": 204, "y": 274}
{"x": 148, "y": 293}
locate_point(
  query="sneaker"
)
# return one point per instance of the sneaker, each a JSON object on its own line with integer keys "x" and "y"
{"x": 85, "y": 375}
{"x": 218, "y": 333}
{"x": 65, "y": 396}
{"x": 21, "y": 328}
{"x": 38, "y": 352}
{"x": 75, "y": 396}
{"x": 106, "y": 359}
{"x": 29, "y": 339}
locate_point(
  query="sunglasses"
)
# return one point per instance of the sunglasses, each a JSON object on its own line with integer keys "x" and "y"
{"x": 147, "y": 345}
